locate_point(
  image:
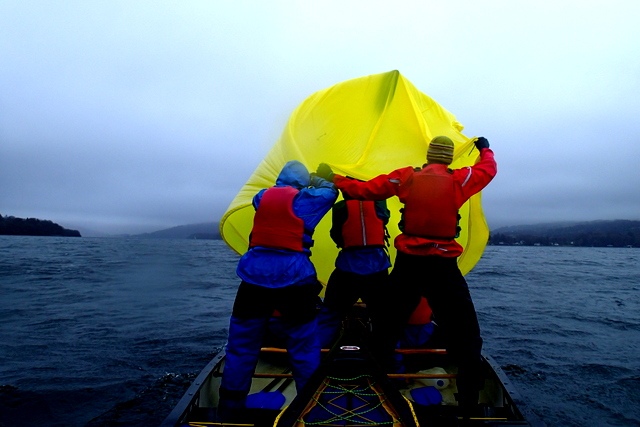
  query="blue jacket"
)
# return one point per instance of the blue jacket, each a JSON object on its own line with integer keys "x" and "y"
{"x": 277, "y": 268}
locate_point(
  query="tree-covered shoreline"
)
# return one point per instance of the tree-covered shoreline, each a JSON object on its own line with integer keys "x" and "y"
{"x": 617, "y": 233}
{"x": 13, "y": 226}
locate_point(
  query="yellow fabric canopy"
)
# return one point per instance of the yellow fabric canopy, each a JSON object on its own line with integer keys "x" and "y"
{"x": 362, "y": 128}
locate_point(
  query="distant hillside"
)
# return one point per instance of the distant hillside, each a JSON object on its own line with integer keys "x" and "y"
{"x": 618, "y": 233}
{"x": 12, "y": 226}
{"x": 208, "y": 230}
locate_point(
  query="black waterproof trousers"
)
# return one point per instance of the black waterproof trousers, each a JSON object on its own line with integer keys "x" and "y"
{"x": 438, "y": 279}
{"x": 343, "y": 290}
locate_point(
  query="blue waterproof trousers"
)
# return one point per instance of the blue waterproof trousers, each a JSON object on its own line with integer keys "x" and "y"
{"x": 250, "y": 322}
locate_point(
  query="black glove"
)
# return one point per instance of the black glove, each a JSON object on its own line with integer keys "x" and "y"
{"x": 324, "y": 171}
{"x": 481, "y": 143}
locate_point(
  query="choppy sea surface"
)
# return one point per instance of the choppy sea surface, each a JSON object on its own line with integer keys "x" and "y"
{"x": 110, "y": 331}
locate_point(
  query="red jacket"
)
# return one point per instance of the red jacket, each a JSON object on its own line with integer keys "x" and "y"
{"x": 467, "y": 182}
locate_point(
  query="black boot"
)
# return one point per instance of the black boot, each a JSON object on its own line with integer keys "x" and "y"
{"x": 231, "y": 406}
{"x": 468, "y": 404}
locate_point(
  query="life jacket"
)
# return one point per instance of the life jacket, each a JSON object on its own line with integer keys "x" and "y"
{"x": 275, "y": 225}
{"x": 430, "y": 208}
{"x": 362, "y": 226}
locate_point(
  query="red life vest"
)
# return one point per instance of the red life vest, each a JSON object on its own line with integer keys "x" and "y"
{"x": 430, "y": 208}
{"x": 362, "y": 227}
{"x": 275, "y": 225}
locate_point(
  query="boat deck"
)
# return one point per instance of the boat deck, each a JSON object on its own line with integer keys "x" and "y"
{"x": 350, "y": 389}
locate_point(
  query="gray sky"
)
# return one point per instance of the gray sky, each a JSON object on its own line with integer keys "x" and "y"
{"x": 124, "y": 116}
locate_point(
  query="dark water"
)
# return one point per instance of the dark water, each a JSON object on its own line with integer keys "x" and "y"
{"x": 109, "y": 332}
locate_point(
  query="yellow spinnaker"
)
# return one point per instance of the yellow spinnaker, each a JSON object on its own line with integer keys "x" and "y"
{"x": 362, "y": 128}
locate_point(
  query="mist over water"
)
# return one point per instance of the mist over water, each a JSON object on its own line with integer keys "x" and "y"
{"x": 110, "y": 331}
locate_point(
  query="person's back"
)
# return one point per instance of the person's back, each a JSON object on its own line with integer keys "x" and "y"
{"x": 426, "y": 259}
{"x": 359, "y": 230}
{"x": 277, "y": 276}
{"x": 361, "y": 267}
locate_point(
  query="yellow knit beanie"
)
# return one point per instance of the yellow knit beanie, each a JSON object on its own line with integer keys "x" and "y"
{"x": 440, "y": 150}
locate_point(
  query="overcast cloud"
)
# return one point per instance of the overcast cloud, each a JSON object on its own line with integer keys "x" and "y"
{"x": 123, "y": 116}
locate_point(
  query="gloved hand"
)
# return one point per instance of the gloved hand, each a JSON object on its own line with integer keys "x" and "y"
{"x": 324, "y": 171}
{"x": 481, "y": 143}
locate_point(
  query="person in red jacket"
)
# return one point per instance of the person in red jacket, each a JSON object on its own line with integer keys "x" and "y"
{"x": 427, "y": 252}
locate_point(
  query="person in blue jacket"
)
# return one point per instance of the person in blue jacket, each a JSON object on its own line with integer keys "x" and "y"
{"x": 277, "y": 275}
{"x": 361, "y": 267}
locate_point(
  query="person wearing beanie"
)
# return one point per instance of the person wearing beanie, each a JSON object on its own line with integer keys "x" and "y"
{"x": 440, "y": 150}
{"x": 427, "y": 252}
